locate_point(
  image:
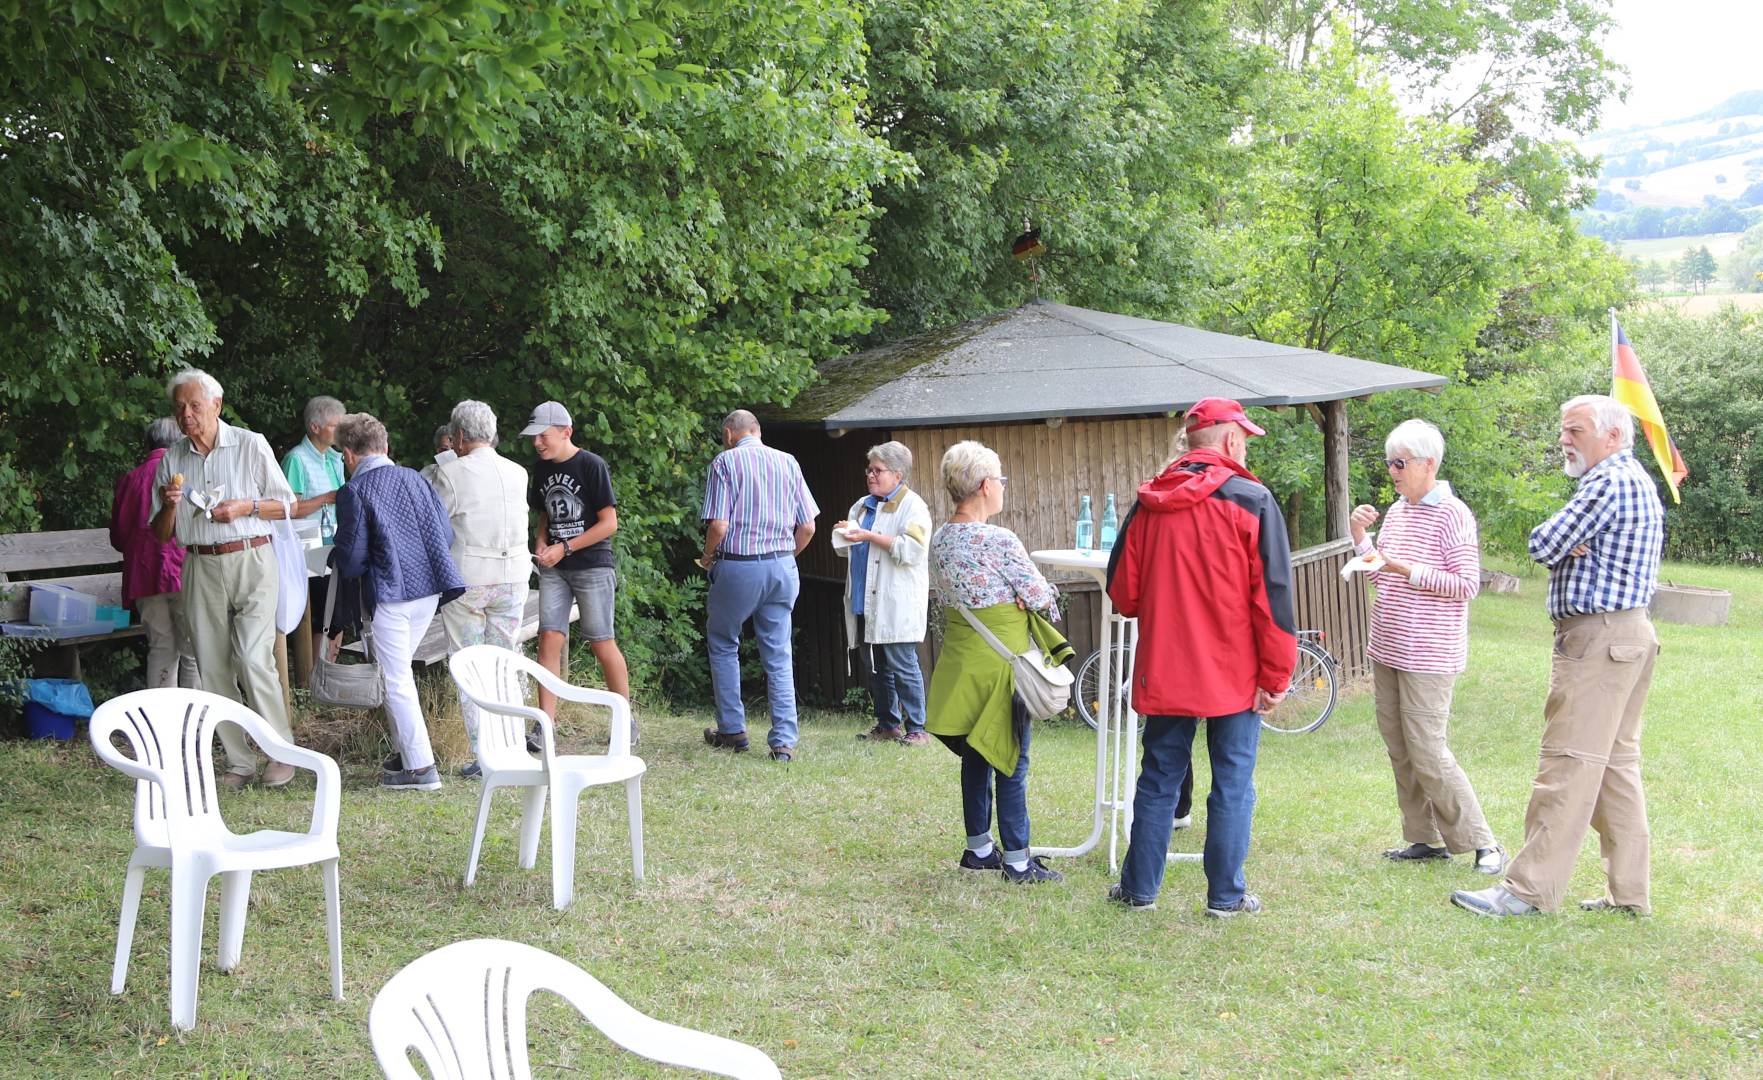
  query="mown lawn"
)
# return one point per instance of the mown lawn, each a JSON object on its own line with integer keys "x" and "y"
{"x": 814, "y": 910}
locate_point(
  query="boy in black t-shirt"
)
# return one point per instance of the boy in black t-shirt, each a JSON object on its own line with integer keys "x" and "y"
{"x": 572, "y": 493}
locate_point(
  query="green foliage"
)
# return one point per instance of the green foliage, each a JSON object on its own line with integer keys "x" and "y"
{"x": 1100, "y": 125}
{"x": 1744, "y": 267}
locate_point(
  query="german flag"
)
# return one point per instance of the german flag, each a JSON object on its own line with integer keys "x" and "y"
{"x": 1628, "y": 384}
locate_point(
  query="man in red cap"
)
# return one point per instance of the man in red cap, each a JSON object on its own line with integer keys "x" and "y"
{"x": 1203, "y": 563}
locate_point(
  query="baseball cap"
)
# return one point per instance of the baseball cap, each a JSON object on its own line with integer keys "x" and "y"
{"x": 550, "y": 414}
{"x": 1217, "y": 410}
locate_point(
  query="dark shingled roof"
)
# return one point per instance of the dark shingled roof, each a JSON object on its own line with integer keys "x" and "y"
{"x": 1045, "y": 359}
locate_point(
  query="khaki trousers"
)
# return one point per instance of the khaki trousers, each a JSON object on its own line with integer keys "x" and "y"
{"x": 1438, "y": 805}
{"x": 229, "y": 603}
{"x": 171, "y": 659}
{"x": 1590, "y": 768}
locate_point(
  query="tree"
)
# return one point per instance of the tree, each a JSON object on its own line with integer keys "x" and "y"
{"x": 1650, "y": 274}
{"x": 139, "y": 136}
{"x": 1698, "y": 268}
{"x": 1103, "y": 126}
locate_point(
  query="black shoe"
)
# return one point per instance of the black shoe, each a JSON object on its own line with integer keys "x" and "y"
{"x": 1033, "y": 874}
{"x": 1416, "y": 852}
{"x": 718, "y": 741}
{"x": 992, "y": 860}
{"x": 534, "y": 744}
{"x": 1125, "y": 899}
{"x": 780, "y": 753}
{"x": 395, "y": 763}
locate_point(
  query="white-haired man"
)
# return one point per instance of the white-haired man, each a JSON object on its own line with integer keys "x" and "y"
{"x": 1602, "y": 550}
{"x": 214, "y": 490}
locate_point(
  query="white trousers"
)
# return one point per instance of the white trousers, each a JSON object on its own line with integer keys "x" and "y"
{"x": 171, "y": 659}
{"x": 397, "y": 628}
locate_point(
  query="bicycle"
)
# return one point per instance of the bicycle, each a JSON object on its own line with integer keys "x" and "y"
{"x": 1309, "y": 701}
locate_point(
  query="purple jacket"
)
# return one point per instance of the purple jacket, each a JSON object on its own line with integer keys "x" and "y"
{"x": 148, "y": 566}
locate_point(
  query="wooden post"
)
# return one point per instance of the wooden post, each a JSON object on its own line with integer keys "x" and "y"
{"x": 1337, "y": 505}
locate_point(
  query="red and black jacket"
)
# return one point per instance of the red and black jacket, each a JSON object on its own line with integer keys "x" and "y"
{"x": 1203, "y": 562}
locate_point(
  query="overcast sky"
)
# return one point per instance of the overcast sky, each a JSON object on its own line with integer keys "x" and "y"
{"x": 1683, "y": 56}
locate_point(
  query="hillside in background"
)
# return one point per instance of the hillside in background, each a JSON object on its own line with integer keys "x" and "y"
{"x": 1669, "y": 191}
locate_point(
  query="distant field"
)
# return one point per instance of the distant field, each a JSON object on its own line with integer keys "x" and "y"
{"x": 1708, "y": 303}
{"x": 1720, "y": 245}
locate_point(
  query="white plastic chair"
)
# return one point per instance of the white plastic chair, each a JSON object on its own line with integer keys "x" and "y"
{"x": 490, "y": 676}
{"x": 170, "y": 732}
{"x": 463, "y": 1007}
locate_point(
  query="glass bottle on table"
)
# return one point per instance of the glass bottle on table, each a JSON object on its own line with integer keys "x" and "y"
{"x": 1110, "y": 524}
{"x": 1086, "y": 525}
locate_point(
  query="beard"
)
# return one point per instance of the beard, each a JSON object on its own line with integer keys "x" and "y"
{"x": 1572, "y": 464}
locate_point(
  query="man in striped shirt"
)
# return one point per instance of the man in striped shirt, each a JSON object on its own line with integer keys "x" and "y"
{"x": 759, "y": 516}
{"x": 1602, "y": 550}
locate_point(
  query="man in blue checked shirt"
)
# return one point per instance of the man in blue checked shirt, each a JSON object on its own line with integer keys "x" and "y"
{"x": 1602, "y": 550}
{"x": 758, "y": 516}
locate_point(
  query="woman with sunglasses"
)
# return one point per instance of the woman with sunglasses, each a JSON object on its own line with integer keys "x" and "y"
{"x": 1419, "y": 645}
{"x": 973, "y": 705}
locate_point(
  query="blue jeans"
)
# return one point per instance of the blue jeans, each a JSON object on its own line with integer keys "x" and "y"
{"x": 977, "y": 780}
{"x": 895, "y": 682}
{"x": 764, "y": 591}
{"x": 1231, "y": 742}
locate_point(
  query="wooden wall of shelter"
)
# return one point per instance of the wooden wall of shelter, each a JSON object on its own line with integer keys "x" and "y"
{"x": 1050, "y": 466}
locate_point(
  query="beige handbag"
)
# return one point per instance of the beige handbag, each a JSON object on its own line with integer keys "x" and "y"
{"x": 1045, "y": 689}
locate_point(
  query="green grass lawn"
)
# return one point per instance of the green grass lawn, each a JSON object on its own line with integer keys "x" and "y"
{"x": 814, "y": 910}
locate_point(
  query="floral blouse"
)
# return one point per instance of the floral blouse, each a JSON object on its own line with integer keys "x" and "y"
{"x": 980, "y": 565}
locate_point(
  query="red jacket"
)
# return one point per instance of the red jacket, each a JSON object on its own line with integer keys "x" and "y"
{"x": 1203, "y": 563}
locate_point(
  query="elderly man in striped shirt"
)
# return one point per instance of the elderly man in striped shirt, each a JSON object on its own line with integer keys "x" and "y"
{"x": 1602, "y": 550}
{"x": 759, "y": 516}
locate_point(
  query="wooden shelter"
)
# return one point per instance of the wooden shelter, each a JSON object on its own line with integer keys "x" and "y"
{"x": 1075, "y": 402}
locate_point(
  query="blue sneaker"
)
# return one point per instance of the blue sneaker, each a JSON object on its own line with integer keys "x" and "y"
{"x": 993, "y": 860}
{"x": 1033, "y": 874}
{"x": 471, "y": 770}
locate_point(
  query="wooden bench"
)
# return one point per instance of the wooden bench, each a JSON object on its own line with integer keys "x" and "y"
{"x": 69, "y": 549}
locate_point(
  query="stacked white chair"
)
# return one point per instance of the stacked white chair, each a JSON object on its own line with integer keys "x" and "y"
{"x": 170, "y": 733}
{"x": 491, "y": 677}
{"x": 463, "y": 1009}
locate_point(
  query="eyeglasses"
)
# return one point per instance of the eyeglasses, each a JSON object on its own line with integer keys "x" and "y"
{"x": 1003, "y": 481}
{"x": 1397, "y": 463}
{"x": 877, "y": 472}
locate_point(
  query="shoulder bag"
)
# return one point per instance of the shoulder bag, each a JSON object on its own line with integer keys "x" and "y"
{"x": 1044, "y": 690}
{"x": 355, "y": 686}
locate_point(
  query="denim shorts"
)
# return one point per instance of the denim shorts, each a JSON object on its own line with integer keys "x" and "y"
{"x": 592, "y": 590}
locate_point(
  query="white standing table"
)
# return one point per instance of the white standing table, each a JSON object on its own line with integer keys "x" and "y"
{"x": 1117, "y": 728}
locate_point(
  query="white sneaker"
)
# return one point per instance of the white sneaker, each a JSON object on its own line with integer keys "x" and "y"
{"x": 1495, "y": 903}
{"x": 1186, "y": 821}
{"x": 1490, "y": 860}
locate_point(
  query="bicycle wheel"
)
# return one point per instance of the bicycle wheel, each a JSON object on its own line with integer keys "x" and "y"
{"x": 1311, "y": 699}
{"x": 1088, "y": 690}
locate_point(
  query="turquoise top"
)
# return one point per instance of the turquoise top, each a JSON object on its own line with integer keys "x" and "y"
{"x": 313, "y": 473}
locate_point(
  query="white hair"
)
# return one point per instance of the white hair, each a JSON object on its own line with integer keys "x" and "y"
{"x": 966, "y": 466}
{"x": 1608, "y": 414}
{"x": 1417, "y": 438}
{"x": 474, "y": 422}
{"x": 321, "y": 410}
{"x": 209, "y": 384}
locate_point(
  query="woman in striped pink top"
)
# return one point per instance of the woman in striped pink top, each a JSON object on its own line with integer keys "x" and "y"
{"x": 1419, "y": 645}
